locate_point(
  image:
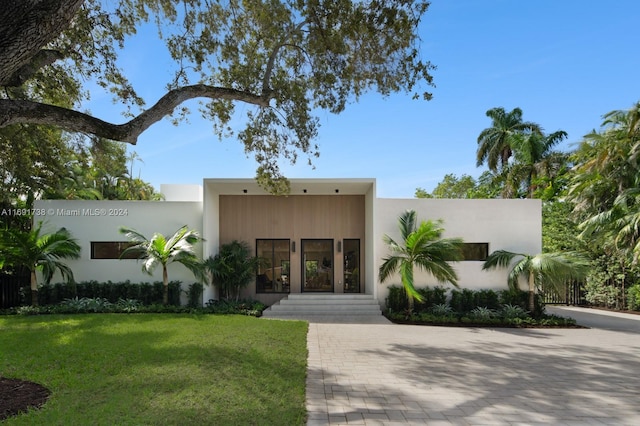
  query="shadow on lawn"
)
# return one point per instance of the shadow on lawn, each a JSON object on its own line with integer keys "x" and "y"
{"x": 168, "y": 370}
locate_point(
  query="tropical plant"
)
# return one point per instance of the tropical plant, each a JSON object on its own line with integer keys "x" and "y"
{"x": 421, "y": 247}
{"x": 604, "y": 188}
{"x": 35, "y": 251}
{"x": 161, "y": 251}
{"x": 233, "y": 268}
{"x": 482, "y": 313}
{"x": 512, "y": 311}
{"x": 535, "y": 160}
{"x": 633, "y": 297}
{"x": 496, "y": 143}
{"x": 543, "y": 271}
{"x": 441, "y": 309}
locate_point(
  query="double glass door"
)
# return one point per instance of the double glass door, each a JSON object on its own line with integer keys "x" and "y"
{"x": 318, "y": 265}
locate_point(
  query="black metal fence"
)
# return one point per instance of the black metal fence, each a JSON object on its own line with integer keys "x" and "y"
{"x": 574, "y": 295}
{"x": 10, "y": 285}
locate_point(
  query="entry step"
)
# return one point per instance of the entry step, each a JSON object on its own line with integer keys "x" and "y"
{"x": 298, "y": 305}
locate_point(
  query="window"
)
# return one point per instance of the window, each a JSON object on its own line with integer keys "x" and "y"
{"x": 274, "y": 274}
{"x": 351, "y": 267}
{"x": 111, "y": 250}
{"x": 475, "y": 251}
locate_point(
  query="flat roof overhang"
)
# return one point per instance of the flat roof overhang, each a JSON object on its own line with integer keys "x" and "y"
{"x": 326, "y": 186}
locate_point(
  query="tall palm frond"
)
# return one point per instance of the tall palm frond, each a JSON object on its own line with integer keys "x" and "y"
{"x": 543, "y": 271}
{"x": 36, "y": 251}
{"x": 495, "y": 143}
{"x": 160, "y": 251}
{"x": 422, "y": 247}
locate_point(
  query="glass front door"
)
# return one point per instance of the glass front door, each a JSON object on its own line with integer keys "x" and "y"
{"x": 317, "y": 265}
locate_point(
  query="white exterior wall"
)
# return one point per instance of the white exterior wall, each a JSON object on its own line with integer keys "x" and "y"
{"x": 514, "y": 225}
{"x": 177, "y": 192}
{"x": 101, "y": 220}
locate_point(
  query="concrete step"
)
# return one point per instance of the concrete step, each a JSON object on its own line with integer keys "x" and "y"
{"x": 328, "y": 305}
{"x": 330, "y": 301}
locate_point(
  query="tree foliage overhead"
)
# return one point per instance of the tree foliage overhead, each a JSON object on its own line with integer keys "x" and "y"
{"x": 284, "y": 58}
{"x": 521, "y": 156}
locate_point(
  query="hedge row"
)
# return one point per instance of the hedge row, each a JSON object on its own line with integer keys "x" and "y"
{"x": 146, "y": 293}
{"x": 461, "y": 301}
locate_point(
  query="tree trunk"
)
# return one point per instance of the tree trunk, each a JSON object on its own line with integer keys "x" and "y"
{"x": 34, "y": 289}
{"x": 26, "y": 26}
{"x": 532, "y": 293}
{"x": 165, "y": 285}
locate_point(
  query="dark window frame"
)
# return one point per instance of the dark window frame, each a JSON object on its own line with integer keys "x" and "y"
{"x": 285, "y": 288}
{"x": 331, "y": 261}
{"x": 475, "y": 252}
{"x": 113, "y": 250}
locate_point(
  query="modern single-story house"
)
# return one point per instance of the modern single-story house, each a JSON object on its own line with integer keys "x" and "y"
{"x": 326, "y": 236}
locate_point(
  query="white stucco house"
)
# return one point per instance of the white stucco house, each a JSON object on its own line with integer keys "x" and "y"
{"x": 326, "y": 236}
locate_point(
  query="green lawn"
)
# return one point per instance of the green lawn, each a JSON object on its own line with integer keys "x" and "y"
{"x": 158, "y": 369}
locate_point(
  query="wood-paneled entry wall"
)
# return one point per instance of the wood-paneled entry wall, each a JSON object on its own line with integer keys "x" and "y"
{"x": 296, "y": 217}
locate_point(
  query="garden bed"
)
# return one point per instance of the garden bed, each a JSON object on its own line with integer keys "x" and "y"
{"x": 557, "y": 322}
{"x": 18, "y": 396}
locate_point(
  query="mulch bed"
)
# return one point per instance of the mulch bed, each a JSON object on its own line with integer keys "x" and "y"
{"x": 17, "y": 396}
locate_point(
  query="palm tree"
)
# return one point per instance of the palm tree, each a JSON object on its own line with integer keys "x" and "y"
{"x": 534, "y": 159}
{"x": 162, "y": 251}
{"x": 421, "y": 247}
{"x": 545, "y": 271}
{"x": 35, "y": 251}
{"x": 495, "y": 143}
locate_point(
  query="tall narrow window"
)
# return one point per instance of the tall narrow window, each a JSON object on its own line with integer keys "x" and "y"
{"x": 273, "y": 274}
{"x": 351, "y": 250}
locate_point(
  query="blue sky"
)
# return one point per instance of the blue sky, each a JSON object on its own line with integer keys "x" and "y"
{"x": 565, "y": 63}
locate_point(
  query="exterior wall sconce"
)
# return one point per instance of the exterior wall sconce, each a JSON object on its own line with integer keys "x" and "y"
{"x": 339, "y": 246}
{"x": 293, "y": 246}
{"x": 244, "y": 190}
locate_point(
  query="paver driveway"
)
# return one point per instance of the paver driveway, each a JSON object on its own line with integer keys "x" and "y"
{"x": 398, "y": 374}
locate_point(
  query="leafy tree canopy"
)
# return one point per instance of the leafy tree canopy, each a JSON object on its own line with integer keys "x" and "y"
{"x": 283, "y": 59}
{"x": 465, "y": 186}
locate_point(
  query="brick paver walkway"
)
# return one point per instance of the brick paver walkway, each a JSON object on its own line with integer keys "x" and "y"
{"x": 391, "y": 374}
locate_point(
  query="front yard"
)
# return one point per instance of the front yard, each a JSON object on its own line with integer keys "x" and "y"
{"x": 106, "y": 369}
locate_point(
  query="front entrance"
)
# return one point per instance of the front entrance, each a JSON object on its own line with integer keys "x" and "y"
{"x": 317, "y": 265}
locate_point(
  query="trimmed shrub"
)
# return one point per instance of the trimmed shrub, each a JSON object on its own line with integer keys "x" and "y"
{"x": 431, "y": 297}
{"x": 147, "y": 294}
{"x": 463, "y": 300}
{"x": 194, "y": 295}
{"x": 396, "y": 301}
